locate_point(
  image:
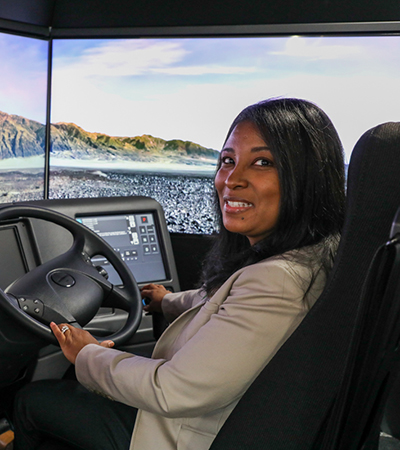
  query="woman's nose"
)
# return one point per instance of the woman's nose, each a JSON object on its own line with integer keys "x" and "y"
{"x": 236, "y": 178}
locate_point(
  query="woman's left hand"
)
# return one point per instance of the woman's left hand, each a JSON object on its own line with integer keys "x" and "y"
{"x": 72, "y": 340}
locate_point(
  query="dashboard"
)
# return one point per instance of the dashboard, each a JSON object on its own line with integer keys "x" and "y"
{"x": 134, "y": 226}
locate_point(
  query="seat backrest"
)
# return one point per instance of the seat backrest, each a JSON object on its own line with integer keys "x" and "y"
{"x": 374, "y": 356}
{"x": 287, "y": 406}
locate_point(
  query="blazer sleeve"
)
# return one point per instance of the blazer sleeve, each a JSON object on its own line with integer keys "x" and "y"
{"x": 174, "y": 304}
{"x": 214, "y": 367}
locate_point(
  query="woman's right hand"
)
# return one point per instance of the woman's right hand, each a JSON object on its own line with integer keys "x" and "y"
{"x": 154, "y": 293}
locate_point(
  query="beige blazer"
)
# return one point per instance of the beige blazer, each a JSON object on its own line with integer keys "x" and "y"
{"x": 207, "y": 357}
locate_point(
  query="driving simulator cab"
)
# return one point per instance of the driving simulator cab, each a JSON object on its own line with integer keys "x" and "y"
{"x": 112, "y": 117}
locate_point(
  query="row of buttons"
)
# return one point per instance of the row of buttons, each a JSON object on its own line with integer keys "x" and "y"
{"x": 148, "y": 229}
{"x": 147, "y": 239}
{"x": 150, "y": 249}
{"x": 132, "y": 255}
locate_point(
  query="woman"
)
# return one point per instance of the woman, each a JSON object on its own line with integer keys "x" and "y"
{"x": 280, "y": 200}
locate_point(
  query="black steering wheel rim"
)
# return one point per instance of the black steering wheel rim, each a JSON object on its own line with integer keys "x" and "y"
{"x": 88, "y": 244}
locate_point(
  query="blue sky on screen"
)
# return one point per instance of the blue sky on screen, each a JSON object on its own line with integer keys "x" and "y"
{"x": 23, "y": 76}
{"x": 191, "y": 89}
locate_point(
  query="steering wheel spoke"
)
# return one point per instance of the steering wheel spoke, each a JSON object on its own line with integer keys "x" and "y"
{"x": 44, "y": 313}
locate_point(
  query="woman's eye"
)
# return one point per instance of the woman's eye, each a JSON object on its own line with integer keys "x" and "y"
{"x": 226, "y": 160}
{"x": 263, "y": 162}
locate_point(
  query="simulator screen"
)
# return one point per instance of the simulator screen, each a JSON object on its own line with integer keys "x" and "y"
{"x": 135, "y": 238}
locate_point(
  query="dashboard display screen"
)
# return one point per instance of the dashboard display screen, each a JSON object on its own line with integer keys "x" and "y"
{"x": 135, "y": 238}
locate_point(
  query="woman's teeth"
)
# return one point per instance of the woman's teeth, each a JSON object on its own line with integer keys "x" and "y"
{"x": 238, "y": 204}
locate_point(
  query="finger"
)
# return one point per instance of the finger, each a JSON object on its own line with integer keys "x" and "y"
{"x": 148, "y": 286}
{"x": 61, "y": 329}
{"x": 57, "y": 332}
{"x": 107, "y": 344}
{"x": 147, "y": 290}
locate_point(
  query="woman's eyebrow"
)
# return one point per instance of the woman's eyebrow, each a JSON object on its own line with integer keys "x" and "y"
{"x": 228, "y": 149}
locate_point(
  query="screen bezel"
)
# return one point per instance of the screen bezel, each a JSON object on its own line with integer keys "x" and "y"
{"x": 276, "y": 29}
{"x": 304, "y": 29}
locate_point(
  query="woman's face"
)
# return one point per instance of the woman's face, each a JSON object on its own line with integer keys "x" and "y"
{"x": 247, "y": 184}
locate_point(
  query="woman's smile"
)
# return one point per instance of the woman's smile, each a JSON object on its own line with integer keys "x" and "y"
{"x": 233, "y": 206}
{"x": 247, "y": 184}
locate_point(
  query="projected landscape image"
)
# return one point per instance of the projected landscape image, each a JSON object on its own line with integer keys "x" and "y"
{"x": 23, "y": 85}
{"x": 149, "y": 116}
{"x": 171, "y": 102}
{"x": 178, "y": 174}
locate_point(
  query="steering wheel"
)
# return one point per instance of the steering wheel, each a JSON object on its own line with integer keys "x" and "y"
{"x": 69, "y": 288}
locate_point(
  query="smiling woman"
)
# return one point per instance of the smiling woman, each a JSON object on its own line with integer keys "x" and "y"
{"x": 280, "y": 199}
{"x": 282, "y": 167}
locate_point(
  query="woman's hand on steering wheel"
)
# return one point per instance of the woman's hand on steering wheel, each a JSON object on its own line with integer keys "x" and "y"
{"x": 72, "y": 340}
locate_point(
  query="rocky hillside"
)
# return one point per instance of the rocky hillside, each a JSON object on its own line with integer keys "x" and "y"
{"x": 20, "y": 136}
{"x": 23, "y": 137}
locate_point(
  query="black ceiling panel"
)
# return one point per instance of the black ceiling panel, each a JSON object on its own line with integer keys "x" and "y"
{"x": 32, "y": 12}
{"x": 92, "y": 14}
{"x": 153, "y": 13}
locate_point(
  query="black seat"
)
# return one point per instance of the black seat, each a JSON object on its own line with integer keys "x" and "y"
{"x": 289, "y": 404}
{"x": 374, "y": 356}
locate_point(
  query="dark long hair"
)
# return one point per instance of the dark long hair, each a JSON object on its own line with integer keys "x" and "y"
{"x": 309, "y": 157}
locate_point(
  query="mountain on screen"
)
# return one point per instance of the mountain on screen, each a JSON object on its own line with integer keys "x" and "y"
{"x": 21, "y": 137}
